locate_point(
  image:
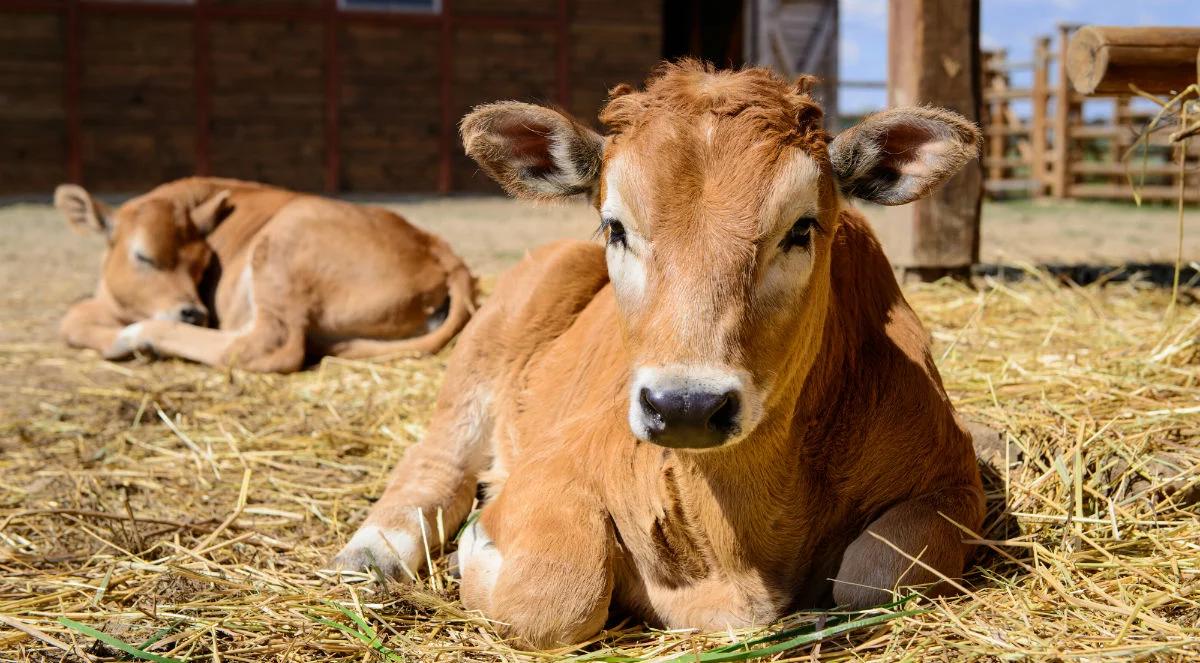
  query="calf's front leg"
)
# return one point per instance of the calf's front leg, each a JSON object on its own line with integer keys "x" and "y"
{"x": 538, "y": 561}
{"x": 871, "y": 569}
{"x": 88, "y": 324}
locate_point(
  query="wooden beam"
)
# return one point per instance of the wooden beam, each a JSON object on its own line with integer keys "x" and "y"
{"x": 445, "y": 98}
{"x": 933, "y": 58}
{"x": 202, "y": 87}
{"x": 1103, "y": 60}
{"x": 1040, "y": 101}
{"x": 1064, "y": 104}
{"x": 333, "y": 84}
{"x": 562, "y": 55}
{"x": 71, "y": 94}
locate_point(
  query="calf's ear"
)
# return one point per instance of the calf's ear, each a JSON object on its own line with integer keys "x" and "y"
{"x": 208, "y": 213}
{"x": 81, "y": 210}
{"x": 533, "y": 151}
{"x": 899, "y": 155}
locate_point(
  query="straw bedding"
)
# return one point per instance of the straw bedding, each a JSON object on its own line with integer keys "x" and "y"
{"x": 184, "y": 513}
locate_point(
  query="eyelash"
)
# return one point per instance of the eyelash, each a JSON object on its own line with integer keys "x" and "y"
{"x": 616, "y": 232}
{"x": 800, "y": 234}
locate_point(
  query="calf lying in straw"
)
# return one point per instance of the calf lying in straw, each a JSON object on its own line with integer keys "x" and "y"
{"x": 729, "y": 410}
{"x": 280, "y": 275}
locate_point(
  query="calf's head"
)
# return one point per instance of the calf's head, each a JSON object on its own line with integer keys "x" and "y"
{"x": 156, "y": 251}
{"x": 719, "y": 196}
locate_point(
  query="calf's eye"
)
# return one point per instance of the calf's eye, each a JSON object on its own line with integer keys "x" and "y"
{"x": 616, "y": 233}
{"x": 799, "y": 235}
{"x": 143, "y": 259}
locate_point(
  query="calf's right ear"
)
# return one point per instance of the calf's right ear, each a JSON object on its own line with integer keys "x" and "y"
{"x": 898, "y": 155}
{"x": 81, "y": 210}
{"x": 533, "y": 151}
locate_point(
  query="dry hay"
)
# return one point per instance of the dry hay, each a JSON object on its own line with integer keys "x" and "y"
{"x": 191, "y": 508}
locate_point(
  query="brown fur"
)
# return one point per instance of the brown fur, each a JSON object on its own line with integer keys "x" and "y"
{"x": 856, "y": 437}
{"x": 286, "y": 275}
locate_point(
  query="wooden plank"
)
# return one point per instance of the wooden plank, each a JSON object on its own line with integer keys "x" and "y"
{"x": 445, "y": 98}
{"x": 1010, "y": 186}
{"x": 1006, "y": 130}
{"x": 1060, "y": 183}
{"x": 1007, "y": 94}
{"x": 1039, "y": 100}
{"x": 1157, "y": 193}
{"x": 332, "y": 73}
{"x": 202, "y": 87}
{"x": 996, "y": 104}
{"x": 1104, "y": 60}
{"x": 933, "y": 58}
{"x": 1119, "y": 168}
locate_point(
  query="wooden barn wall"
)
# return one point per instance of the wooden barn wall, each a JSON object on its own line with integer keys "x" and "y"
{"x": 33, "y": 144}
{"x": 527, "y": 75}
{"x": 268, "y": 102}
{"x": 138, "y": 120}
{"x": 611, "y": 43}
{"x": 136, "y": 104}
{"x": 389, "y": 111}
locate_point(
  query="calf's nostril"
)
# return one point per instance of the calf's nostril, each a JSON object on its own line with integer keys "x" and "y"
{"x": 192, "y": 316}
{"x": 698, "y": 410}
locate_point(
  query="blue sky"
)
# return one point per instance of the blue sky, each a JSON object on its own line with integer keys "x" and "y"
{"x": 1011, "y": 24}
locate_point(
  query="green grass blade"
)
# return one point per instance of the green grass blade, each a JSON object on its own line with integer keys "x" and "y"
{"x": 115, "y": 643}
{"x": 356, "y": 618}
{"x": 832, "y": 620}
{"x": 160, "y": 634}
{"x": 369, "y": 638}
{"x": 794, "y": 643}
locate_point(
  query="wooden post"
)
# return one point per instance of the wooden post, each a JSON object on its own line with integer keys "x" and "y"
{"x": 933, "y": 58}
{"x": 1039, "y": 98}
{"x": 997, "y": 112}
{"x": 1060, "y": 185}
{"x": 1105, "y": 60}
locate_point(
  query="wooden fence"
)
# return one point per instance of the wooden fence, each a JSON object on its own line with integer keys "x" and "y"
{"x": 1040, "y": 144}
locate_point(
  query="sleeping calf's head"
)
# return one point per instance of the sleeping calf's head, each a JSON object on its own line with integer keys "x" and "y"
{"x": 719, "y": 196}
{"x": 156, "y": 251}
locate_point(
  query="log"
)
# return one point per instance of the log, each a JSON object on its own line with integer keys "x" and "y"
{"x": 1103, "y": 60}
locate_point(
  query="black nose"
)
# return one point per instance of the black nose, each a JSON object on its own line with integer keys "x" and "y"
{"x": 689, "y": 419}
{"x": 193, "y": 316}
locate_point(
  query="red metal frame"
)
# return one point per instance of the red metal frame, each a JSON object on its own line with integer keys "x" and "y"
{"x": 332, "y": 18}
{"x": 71, "y": 104}
{"x": 445, "y": 182}
{"x": 333, "y": 85}
{"x": 203, "y": 87}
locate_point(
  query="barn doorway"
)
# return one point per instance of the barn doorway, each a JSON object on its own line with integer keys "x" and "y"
{"x": 706, "y": 29}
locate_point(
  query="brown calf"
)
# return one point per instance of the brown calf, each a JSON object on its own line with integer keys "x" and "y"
{"x": 728, "y": 411}
{"x": 281, "y": 275}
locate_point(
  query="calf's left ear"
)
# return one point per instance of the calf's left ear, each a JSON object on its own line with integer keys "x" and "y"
{"x": 899, "y": 155}
{"x": 533, "y": 151}
{"x": 208, "y": 213}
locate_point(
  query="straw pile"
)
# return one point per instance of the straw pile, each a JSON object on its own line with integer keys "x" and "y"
{"x": 169, "y": 511}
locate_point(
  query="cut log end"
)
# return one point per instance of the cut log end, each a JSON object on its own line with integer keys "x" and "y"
{"x": 1103, "y": 60}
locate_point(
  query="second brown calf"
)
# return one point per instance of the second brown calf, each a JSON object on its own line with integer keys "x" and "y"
{"x": 233, "y": 273}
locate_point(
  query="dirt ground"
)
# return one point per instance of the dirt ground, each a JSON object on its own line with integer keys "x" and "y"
{"x": 44, "y": 265}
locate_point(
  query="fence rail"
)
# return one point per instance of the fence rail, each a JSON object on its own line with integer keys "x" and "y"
{"x": 1051, "y": 150}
